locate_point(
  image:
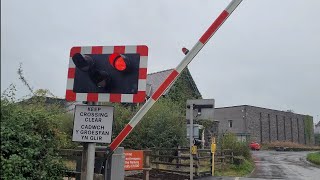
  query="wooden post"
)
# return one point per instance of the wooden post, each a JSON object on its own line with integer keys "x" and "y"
{"x": 146, "y": 164}
{"x": 197, "y": 173}
{"x": 157, "y": 158}
{"x": 179, "y": 157}
{"x": 232, "y": 160}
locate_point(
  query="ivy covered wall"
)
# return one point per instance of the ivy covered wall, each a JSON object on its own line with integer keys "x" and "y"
{"x": 183, "y": 89}
{"x": 308, "y": 129}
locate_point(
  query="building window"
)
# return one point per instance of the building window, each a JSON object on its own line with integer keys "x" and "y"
{"x": 230, "y": 123}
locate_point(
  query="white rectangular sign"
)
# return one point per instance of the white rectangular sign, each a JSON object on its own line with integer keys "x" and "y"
{"x": 93, "y": 124}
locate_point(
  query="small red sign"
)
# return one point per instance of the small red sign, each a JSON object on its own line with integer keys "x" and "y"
{"x": 133, "y": 160}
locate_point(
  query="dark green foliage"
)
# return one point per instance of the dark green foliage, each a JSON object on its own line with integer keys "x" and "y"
{"x": 229, "y": 141}
{"x": 162, "y": 126}
{"x": 29, "y": 140}
{"x": 183, "y": 89}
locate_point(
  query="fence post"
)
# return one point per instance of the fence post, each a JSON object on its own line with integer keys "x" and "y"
{"x": 232, "y": 160}
{"x": 146, "y": 164}
{"x": 157, "y": 158}
{"x": 197, "y": 173}
{"x": 179, "y": 156}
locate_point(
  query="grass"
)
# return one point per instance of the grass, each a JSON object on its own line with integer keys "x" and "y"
{"x": 314, "y": 157}
{"x": 236, "y": 170}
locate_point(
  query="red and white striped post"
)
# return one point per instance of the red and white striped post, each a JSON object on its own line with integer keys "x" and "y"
{"x": 174, "y": 74}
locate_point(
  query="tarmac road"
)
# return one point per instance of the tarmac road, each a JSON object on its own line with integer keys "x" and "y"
{"x": 280, "y": 165}
{"x": 284, "y": 165}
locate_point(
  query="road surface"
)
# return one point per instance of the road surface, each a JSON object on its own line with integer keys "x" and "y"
{"x": 280, "y": 165}
{"x": 284, "y": 165}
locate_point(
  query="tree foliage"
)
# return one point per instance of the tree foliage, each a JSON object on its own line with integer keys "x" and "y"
{"x": 162, "y": 126}
{"x": 229, "y": 141}
{"x": 29, "y": 139}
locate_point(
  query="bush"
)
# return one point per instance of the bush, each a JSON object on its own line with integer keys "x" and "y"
{"x": 236, "y": 170}
{"x": 229, "y": 141}
{"x": 29, "y": 140}
{"x": 163, "y": 126}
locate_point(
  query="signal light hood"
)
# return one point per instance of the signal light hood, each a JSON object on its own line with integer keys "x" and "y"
{"x": 83, "y": 62}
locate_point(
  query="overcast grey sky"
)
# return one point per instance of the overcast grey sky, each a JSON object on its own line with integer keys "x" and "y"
{"x": 266, "y": 54}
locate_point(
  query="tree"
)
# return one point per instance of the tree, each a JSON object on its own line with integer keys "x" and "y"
{"x": 29, "y": 139}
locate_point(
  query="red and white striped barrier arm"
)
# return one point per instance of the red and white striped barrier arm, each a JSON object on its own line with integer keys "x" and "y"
{"x": 174, "y": 74}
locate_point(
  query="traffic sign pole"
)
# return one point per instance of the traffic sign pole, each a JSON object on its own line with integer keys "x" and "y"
{"x": 88, "y": 156}
{"x": 174, "y": 74}
{"x": 90, "y": 161}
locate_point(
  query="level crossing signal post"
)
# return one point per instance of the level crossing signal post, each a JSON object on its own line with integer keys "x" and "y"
{"x": 103, "y": 74}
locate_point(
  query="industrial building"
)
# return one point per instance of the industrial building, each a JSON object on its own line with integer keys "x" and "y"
{"x": 264, "y": 125}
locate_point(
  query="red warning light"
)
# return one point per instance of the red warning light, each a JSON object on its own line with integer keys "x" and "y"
{"x": 120, "y": 64}
{"x": 118, "y": 61}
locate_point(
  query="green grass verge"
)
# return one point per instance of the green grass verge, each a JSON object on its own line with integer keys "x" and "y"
{"x": 314, "y": 157}
{"x": 236, "y": 170}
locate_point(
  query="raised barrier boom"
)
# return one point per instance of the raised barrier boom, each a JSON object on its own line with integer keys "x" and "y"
{"x": 174, "y": 74}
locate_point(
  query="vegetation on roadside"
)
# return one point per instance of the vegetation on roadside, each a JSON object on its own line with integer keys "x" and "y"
{"x": 242, "y": 164}
{"x": 240, "y": 170}
{"x": 229, "y": 141}
{"x": 30, "y": 138}
{"x": 314, "y": 157}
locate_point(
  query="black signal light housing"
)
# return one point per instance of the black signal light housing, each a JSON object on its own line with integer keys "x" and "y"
{"x": 106, "y": 73}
